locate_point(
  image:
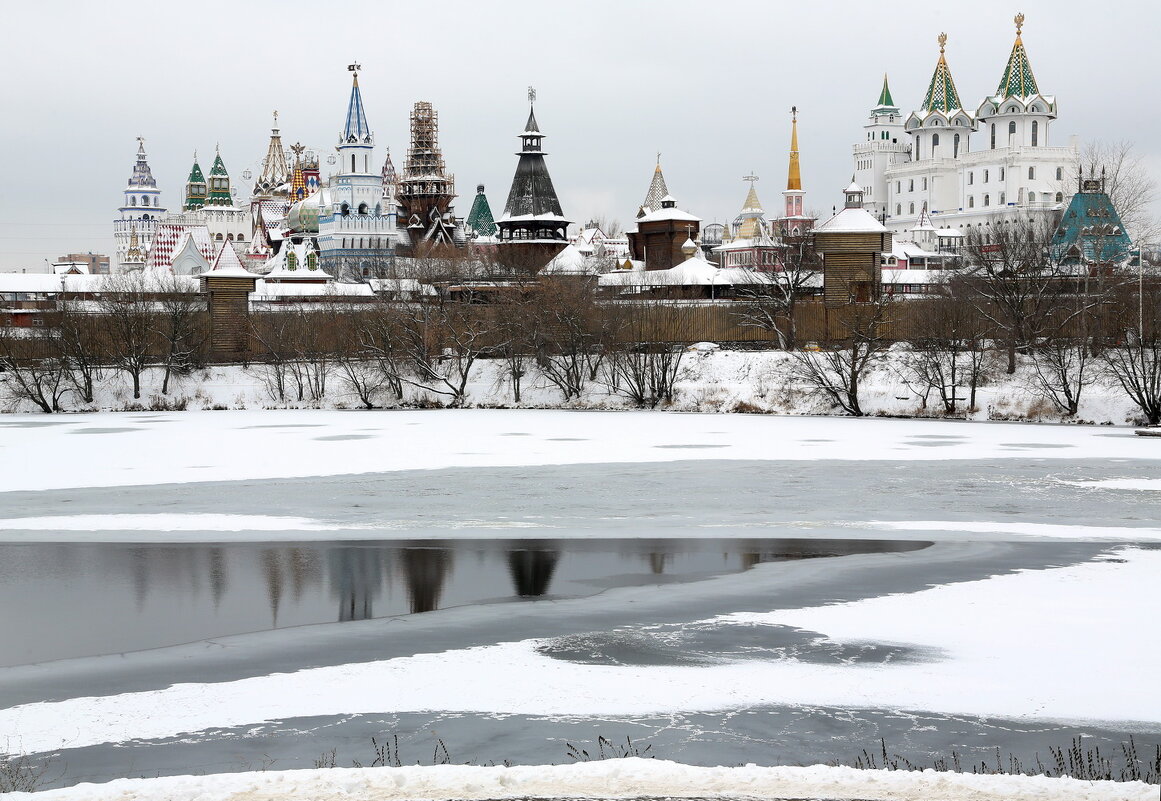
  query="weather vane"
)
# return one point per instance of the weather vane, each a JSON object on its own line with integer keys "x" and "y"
{"x": 1019, "y": 19}
{"x": 751, "y": 178}
{"x": 531, "y": 95}
{"x": 942, "y": 42}
{"x": 354, "y": 67}
{"x": 794, "y": 113}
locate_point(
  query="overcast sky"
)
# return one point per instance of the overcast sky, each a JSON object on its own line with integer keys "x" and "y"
{"x": 709, "y": 85}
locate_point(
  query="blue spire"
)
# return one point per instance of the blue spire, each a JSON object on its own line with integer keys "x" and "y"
{"x": 357, "y": 129}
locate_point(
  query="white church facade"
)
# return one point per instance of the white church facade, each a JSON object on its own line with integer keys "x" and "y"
{"x": 969, "y": 168}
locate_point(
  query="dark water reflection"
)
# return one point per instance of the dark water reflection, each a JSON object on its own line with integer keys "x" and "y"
{"x": 67, "y": 600}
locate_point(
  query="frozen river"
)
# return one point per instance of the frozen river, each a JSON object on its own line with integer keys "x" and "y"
{"x": 219, "y": 591}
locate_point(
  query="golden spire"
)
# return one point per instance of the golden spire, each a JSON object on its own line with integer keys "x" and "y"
{"x": 794, "y": 175}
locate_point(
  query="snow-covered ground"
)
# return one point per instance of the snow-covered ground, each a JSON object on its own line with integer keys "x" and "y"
{"x": 618, "y": 778}
{"x": 109, "y": 450}
{"x": 709, "y": 380}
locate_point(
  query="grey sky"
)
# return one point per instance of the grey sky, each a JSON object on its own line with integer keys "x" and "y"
{"x": 709, "y": 85}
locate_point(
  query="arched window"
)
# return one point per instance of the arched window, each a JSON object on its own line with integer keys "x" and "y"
{"x": 955, "y": 146}
{"x": 241, "y": 238}
{"x": 312, "y": 261}
{"x": 133, "y": 201}
{"x": 1001, "y": 173}
{"x": 1059, "y": 173}
{"x": 352, "y": 162}
{"x": 987, "y": 200}
{"x": 1035, "y": 133}
{"x": 291, "y": 261}
{"x": 971, "y": 178}
{"x": 971, "y": 202}
{"x": 1031, "y": 197}
{"x": 911, "y": 185}
{"x": 934, "y": 144}
{"x": 1059, "y": 197}
{"x": 925, "y": 183}
{"x": 987, "y": 174}
{"x": 898, "y": 209}
{"x": 218, "y": 237}
{"x": 1031, "y": 173}
{"x": 363, "y": 209}
{"x": 344, "y": 209}
{"x": 1001, "y": 198}
{"x": 993, "y": 136}
{"x": 229, "y": 237}
{"x": 912, "y": 209}
{"x": 1012, "y": 128}
{"x": 898, "y": 185}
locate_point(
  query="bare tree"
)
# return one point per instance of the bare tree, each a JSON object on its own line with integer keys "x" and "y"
{"x": 181, "y": 327}
{"x": 130, "y": 315}
{"x": 80, "y": 339}
{"x": 947, "y": 353}
{"x": 646, "y": 360}
{"x": 770, "y": 303}
{"x": 1134, "y": 361}
{"x": 573, "y": 333}
{"x": 1129, "y": 182}
{"x": 31, "y": 369}
{"x": 1016, "y": 287}
{"x": 837, "y": 373}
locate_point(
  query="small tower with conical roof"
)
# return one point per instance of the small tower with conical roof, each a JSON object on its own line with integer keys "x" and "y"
{"x": 795, "y": 222}
{"x": 219, "y": 183}
{"x": 884, "y": 144}
{"x": 141, "y": 207}
{"x": 940, "y": 128}
{"x": 195, "y": 187}
{"x": 480, "y": 222}
{"x": 273, "y": 177}
{"x": 657, "y": 189}
{"x": 532, "y": 228}
{"x": 356, "y": 234}
{"x": 1018, "y": 114}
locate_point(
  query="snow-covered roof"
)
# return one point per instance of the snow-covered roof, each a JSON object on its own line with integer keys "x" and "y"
{"x": 30, "y": 282}
{"x": 913, "y": 276}
{"x": 854, "y": 187}
{"x": 228, "y": 265}
{"x": 570, "y": 261}
{"x": 277, "y": 289}
{"x": 672, "y": 213}
{"x": 278, "y": 265}
{"x": 695, "y": 271}
{"x": 851, "y": 221}
{"x": 401, "y": 286}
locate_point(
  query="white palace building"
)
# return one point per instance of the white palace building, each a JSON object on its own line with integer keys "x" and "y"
{"x": 969, "y": 168}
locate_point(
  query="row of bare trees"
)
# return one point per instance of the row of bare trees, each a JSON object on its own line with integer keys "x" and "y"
{"x": 426, "y": 348}
{"x": 135, "y": 322}
{"x": 1076, "y": 323}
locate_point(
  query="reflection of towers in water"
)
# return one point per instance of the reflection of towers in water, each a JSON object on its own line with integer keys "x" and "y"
{"x": 658, "y": 561}
{"x": 299, "y": 565}
{"x": 425, "y": 570}
{"x": 532, "y": 571}
{"x": 356, "y": 576}
{"x": 218, "y": 575}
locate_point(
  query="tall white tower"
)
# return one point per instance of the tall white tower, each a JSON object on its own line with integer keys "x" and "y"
{"x": 141, "y": 208}
{"x": 885, "y": 143}
{"x": 356, "y": 234}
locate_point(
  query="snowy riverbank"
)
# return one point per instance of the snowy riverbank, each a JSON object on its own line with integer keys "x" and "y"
{"x": 618, "y": 778}
{"x": 711, "y": 380}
